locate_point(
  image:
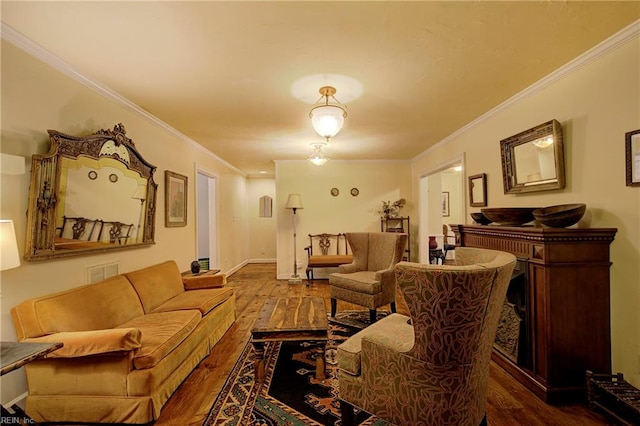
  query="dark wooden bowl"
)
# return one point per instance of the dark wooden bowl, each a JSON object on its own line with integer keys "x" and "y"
{"x": 478, "y": 217}
{"x": 509, "y": 216}
{"x": 560, "y": 216}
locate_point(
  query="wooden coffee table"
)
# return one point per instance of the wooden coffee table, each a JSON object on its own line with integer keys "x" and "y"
{"x": 290, "y": 319}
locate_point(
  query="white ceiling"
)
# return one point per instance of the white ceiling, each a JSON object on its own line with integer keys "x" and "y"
{"x": 223, "y": 73}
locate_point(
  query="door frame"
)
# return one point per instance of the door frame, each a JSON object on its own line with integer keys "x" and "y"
{"x": 213, "y": 177}
{"x": 423, "y": 212}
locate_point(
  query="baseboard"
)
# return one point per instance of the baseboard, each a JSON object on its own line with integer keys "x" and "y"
{"x": 262, "y": 261}
{"x": 19, "y": 400}
{"x": 236, "y": 268}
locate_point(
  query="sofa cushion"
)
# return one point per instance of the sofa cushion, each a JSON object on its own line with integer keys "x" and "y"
{"x": 98, "y": 306}
{"x": 361, "y": 282}
{"x": 396, "y": 325}
{"x": 202, "y": 300}
{"x": 95, "y": 342}
{"x": 157, "y": 284}
{"x": 162, "y": 332}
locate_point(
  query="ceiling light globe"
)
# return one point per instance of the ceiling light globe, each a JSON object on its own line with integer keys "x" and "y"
{"x": 318, "y": 161}
{"x": 327, "y": 120}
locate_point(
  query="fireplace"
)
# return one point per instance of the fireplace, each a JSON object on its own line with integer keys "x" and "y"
{"x": 513, "y": 338}
{"x": 555, "y": 322}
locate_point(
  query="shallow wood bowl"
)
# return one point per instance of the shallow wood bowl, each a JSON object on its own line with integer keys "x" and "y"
{"x": 478, "y": 217}
{"x": 560, "y": 216}
{"x": 509, "y": 216}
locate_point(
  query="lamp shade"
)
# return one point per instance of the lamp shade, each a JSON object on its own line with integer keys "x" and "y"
{"x": 140, "y": 192}
{"x": 327, "y": 120}
{"x": 294, "y": 202}
{"x": 9, "y": 257}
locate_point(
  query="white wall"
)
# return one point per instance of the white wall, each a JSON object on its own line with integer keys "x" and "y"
{"x": 596, "y": 104}
{"x": 35, "y": 97}
{"x": 262, "y": 230}
{"x": 376, "y": 181}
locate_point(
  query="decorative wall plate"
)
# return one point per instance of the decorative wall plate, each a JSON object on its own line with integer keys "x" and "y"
{"x": 93, "y": 175}
{"x": 113, "y": 177}
{"x": 335, "y": 192}
{"x": 355, "y": 192}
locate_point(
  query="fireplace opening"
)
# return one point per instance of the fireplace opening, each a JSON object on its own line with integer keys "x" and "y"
{"x": 513, "y": 337}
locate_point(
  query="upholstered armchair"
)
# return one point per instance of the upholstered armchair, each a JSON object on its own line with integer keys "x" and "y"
{"x": 370, "y": 279}
{"x": 432, "y": 368}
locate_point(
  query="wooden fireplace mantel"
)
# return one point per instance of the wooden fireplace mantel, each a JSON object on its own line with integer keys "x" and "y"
{"x": 567, "y": 294}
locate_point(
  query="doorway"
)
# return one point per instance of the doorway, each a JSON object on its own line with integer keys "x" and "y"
{"x": 206, "y": 219}
{"x": 442, "y": 202}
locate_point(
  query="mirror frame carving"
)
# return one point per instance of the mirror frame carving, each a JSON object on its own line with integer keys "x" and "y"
{"x": 474, "y": 180}
{"x": 44, "y": 190}
{"x": 507, "y": 147}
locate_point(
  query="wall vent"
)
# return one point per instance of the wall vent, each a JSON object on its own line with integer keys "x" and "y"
{"x": 102, "y": 272}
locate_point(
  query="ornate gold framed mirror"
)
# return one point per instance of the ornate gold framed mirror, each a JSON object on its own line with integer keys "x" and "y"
{"x": 89, "y": 194}
{"x": 534, "y": 159}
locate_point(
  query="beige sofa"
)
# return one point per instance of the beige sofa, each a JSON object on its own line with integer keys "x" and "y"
{"x": 129, "y": 342}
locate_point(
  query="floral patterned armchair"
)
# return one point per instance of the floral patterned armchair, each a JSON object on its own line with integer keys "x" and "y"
{"x": 432, "y": 368}
{"x": 370, "y": 279}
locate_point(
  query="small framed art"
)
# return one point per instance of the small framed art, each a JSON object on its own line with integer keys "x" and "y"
{"x": 445, "y": 204}
{"x": 175, "y": 199}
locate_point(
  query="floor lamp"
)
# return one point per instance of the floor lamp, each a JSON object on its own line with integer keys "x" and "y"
{"x": 140, "y": 194}
{"x": 294, "y": 202}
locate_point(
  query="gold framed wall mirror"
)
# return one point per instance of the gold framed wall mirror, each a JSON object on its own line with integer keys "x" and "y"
{"x": 533, "y": 160}
{"x": 89, "y": 194}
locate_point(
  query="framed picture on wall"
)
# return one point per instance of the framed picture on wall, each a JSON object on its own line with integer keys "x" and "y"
{"x": 632, "y": 156}
{"x": 175, "y": 199}
{"x": 445, "y": 204}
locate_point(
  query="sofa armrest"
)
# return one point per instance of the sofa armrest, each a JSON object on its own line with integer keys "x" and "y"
{"x": 94, "y": 342}
{"x": 203, "y": 281}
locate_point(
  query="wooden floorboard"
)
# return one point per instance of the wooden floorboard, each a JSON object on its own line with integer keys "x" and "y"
{"x": 509, "y": 403}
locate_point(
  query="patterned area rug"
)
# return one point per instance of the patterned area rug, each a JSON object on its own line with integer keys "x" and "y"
{"x": 290, "y": 394}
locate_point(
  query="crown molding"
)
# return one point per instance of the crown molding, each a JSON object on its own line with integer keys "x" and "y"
{"x": 29, "y": 46}
{"x": 622, "y": 37}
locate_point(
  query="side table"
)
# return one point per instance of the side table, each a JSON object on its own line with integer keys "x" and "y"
{"x": 14, "y": 355}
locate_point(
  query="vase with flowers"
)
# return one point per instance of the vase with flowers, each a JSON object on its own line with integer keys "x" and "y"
{"x": 390, "y": 209}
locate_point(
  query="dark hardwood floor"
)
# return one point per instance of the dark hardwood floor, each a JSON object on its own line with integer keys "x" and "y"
{"x": 509, "y": 403}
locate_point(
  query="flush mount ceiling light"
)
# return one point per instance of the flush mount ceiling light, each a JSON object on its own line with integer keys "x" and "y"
{"x": 327, "y": 118}
{"x": 544, "y": 142}
{"x": 317, "y": 157}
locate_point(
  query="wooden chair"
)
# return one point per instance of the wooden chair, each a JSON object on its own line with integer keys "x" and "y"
{"x": 445, "y": 241}
{"x": 431, "y": 368}
{"x": 327, "y": 252}
{"x": 119, "y": 232}
{"x": 80, "y": 228}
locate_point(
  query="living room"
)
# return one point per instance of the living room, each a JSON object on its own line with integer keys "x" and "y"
{"x": 595, "y": 98}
